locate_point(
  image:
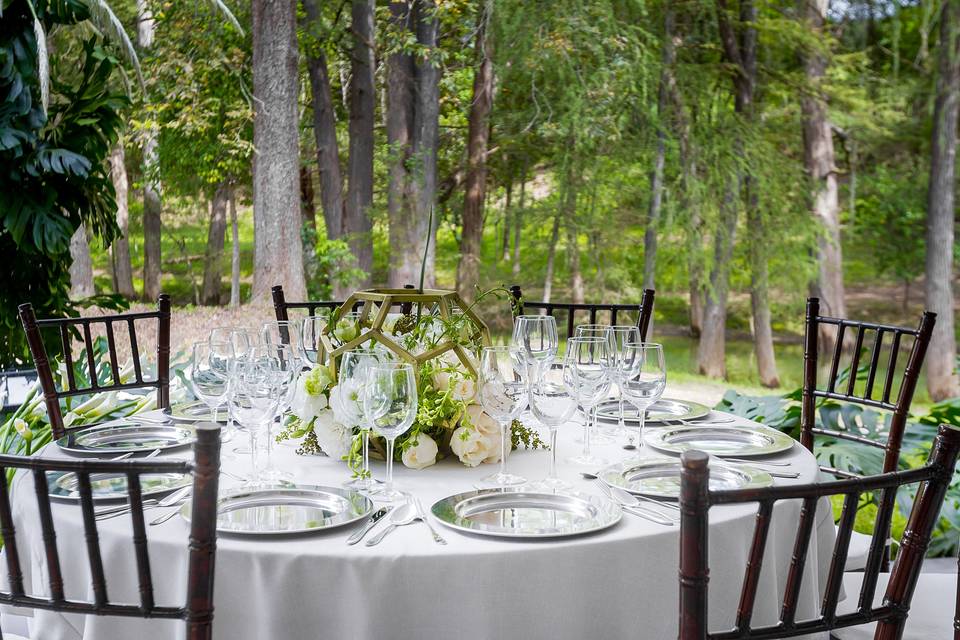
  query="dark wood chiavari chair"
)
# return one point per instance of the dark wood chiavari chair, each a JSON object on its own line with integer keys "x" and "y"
{"x": 890, "y": 615}
{"x": 282, "y": 308}
{"x": 67, "y": 328}
{"x": 593, "y": 311}
{"x": 847, "y": 391}
{"x": 198, "y": 611}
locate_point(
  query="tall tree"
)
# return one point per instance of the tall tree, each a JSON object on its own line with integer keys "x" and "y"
{"x": 213, "y": 260}
{"x": 234, "y": 251}
{"x": 152, "y": 204}
{"x": 81, "y": 266}
{"x": 120, "y": 249}
{"x": 942, "y": 381}
{"x": 324, "y": 127}
{"x": 819, "y": 160}
{"x": 468, "y": 269}
{"x": 276, "y": 163}
{"x": 357, "y": 225}
{"x": 518, "y": 221}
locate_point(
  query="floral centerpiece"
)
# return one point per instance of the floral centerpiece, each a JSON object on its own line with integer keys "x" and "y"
{"x": 442, "y": 337}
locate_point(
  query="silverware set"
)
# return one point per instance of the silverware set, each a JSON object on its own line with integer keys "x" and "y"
{"x": 407, "y": 513}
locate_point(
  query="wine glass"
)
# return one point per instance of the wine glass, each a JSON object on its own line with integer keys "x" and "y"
{"x": 286, "y": 332}
{"x": 287, "y": 370}
{"x": 553, "y": 402}
{"x": 601, "y": 331}
{"x": 254, "y": 399}
{"x": 353, "y": 375}
{"x": 587, "y": 372}
{"x": 503, "y": 395}
{"x": 646, "y": 380}
{"x": 536, "y": 337}
{"x": 310, "y": 331}
{"x": 390, "y": 405}
{"x": 621, "y": 335}
{"x": 210, "y": 374}
{"x": 238, "y": 337}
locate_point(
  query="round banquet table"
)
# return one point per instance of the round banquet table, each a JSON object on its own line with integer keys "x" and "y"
{"x": 618, "y": 583}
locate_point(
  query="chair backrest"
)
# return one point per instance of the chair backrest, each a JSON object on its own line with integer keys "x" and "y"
{"x": 34, "y": 329}
{"x": 696, "y": 500}
{"x": 198, "y": 610}
{"x": 644, "y": 310}
{"x": 282, "y": 308}
{"x": 867, "y": 396}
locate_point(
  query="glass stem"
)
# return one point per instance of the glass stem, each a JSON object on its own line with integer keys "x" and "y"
{"x": 254, "y": 473}
{"x": 641, "y": 420}
{"x": 503, "y": 447}
{"x": 389, "y": 484}
{"x": 553, "y": 454}
{"x": 586, "y": 431}
{"x": 621, "y": 424}
{"x": 366, "y": 453}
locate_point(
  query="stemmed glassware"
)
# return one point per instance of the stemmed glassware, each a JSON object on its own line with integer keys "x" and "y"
{"x": 536, "y": 337}
{"x": 390, "y": 405}
{"x": 238, "y": 337}
{"x": 353, "y": 377}
{"x": 646, "y": 380}
{"x": 587, "y": 373}
{"x": 210, "y": 374}
{"x": 310, "y": 330}
{"x": 254, "y": 399}
{"x": 621, "y": 335}
{"x": 503, "y": 395}
{"x": 286, "y": 332}
{"x": 288, "y": 369}
{"x": 553, "y": 402}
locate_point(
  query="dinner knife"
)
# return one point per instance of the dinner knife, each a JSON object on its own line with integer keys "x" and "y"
{"x": 374, "y": 518}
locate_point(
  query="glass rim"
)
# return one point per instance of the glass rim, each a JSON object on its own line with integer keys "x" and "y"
{"x": 587, "y": 339}
{"x": 529, "y": 316}
{"x": 624, "y": 327}
{"x": 643, "y": 344}
{"x": 393, "y": 366}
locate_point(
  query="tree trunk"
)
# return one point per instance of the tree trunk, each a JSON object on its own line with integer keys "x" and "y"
{"x": 276, "y": 164}
{"x": 152, "y": 205}
{"x": 325, "y": 132}
{"x": 81, "y": 267}
{"x": 468, "y": 269}
{"x": 357, "y": 225}
{"x": 120, "y": 249}
{"x": 213, "y": 261}
{"x": 308, "y": 224}
{"x": 942, "y": 381}
{"x": 518, "y": 222}
{"x": 712, "y": 346}
{"x": 819, "y": 161}
{"x": 551, "y": 257}
{"x": 234, "y": 251}
{"x": 759, "y": 302}
{"x": 576, "y": 276}
{"x": 505, "y": 245}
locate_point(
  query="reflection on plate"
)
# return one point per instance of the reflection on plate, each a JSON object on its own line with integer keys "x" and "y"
{"x": 518, "y": 513}
{"x": 124, "y": 437}
{"x": 720, "y": 441}
{"x": 660, "y": 477}
{"x": 113, "y": 486}
{"x": 196, "y": 411}
{"x": 663, "y": 410}
{"x": 287, "y": 510}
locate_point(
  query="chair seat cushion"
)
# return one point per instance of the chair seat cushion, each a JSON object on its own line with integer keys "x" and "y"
{"x": 931, "y": 610}
{"x": 857, "y": 552}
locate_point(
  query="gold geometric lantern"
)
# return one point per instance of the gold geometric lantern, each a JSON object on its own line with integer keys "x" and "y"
{"x": 440, "y": 301}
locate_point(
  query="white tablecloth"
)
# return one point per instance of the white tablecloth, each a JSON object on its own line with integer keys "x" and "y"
{"x": 620, "y": 583}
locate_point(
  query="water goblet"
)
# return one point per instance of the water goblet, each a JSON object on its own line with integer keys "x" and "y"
{"x": 503, "y": 396}
{"x": 553, "y": 403}
{"x": 390, "y": 405}
{"x": 536, "y": 337}
{"x": 621, "y": 335}
{"x": 254, "y": 399}
{"x": 238, "y": 337}
{"x": 310, "y": 331}
{"x": 353, "y": 375}
{"x": 284, "y": 332}
{"x": 210, "y": 374}
{"x": 647, "y": 378}
{"x": 586, "y": 368}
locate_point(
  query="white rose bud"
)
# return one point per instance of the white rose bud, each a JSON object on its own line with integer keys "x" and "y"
{"x": 469, "y": 445}
{"x": 422, "y": 454}
{"x": 490, "y": 429}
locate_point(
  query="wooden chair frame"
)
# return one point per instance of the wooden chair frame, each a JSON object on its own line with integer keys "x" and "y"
{"x": 65, "y": 326}
{"x": 644, "y": 310}
{"x": 696, "y": 500}
{"x": 900, "y": 408}
{"x": 198, "y": 611}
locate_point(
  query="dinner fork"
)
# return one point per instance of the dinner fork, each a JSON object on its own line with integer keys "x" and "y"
{"x": 422, "y": 516}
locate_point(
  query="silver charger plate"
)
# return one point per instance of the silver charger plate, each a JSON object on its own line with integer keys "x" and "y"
{"x": 519, "y": 513}
{"x": 195, "y": 411}
{"x": 288, "y": 510}
{"x": 124, "y": 437}
{"x": 112, "y": 486}
{"x": 720, "y": 441}
{"x": 660, "y": 477}
{"x": 663, "y": 410}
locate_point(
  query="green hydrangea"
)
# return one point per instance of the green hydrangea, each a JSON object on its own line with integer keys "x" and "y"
{"x": 318, "y": 380}
{"x": 346, "y": 330}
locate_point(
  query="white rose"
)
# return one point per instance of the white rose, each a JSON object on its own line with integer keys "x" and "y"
{"x": 333, "y": 436}
{"x": 441, "y": 381}
{"x": 471, "y": 446}
{"x": 464, "y": 389}
{"x": 490, "y": 429}
{"x": 421, "y": 455}
{"x": 345, "y": 402}
{"x": 305, "y": 405}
